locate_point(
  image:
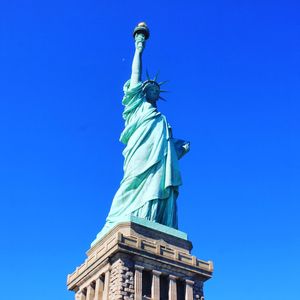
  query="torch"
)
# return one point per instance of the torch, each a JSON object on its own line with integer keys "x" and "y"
{"x": 142, "y": 28}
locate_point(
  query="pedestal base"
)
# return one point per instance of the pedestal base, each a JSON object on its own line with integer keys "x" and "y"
{"x": 133, "y": 261}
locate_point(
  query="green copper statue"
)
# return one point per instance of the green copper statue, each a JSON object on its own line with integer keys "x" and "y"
{"x": 149, "y": 188}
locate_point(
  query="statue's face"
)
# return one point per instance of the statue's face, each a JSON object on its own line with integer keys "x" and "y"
{"x": 152, "y": 93}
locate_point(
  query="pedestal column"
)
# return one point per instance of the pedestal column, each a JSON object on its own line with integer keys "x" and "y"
{"x": 80, "y": 295}
{"x": 106, "y": 286}
{"x": 98, "y": 289}
{"x": 138, "y": 280}
{"x": 189, "y": 295}
{"x": 155, "y": 291}
{"x": 172, "y": 287}
{"x": 90, "y": 293}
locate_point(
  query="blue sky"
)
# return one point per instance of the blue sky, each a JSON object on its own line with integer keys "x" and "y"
{"x": 234, "y": 82}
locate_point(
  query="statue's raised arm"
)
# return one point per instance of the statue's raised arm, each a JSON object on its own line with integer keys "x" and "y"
{"x": 140, "y": 34}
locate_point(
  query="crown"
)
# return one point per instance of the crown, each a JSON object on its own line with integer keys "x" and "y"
{"x": 150, "y": 82}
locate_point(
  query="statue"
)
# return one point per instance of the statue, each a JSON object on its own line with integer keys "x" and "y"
{"x": 149, "y": 188}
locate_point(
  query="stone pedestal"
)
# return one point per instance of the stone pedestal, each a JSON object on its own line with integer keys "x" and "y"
{"x": 136, "y": 262}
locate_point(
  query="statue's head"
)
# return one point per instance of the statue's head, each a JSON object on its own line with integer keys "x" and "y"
{"x": 151, "y": 89}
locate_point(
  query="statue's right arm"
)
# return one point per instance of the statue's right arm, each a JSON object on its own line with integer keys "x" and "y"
{"x": 136, "y": 73}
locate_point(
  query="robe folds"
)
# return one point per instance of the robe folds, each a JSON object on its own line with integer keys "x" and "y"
{"x": 149, "y": 187}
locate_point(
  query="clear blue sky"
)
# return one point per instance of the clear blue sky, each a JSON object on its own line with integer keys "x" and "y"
{"x": 234, "y": 81}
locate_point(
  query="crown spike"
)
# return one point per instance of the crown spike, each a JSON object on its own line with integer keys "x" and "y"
{"x": 163, "y": 82}
{"x": 163, "y": 91}
{"x": 160, "y": 97}
{"x": 147, "y": 74}
{"x": 156, "y": 76}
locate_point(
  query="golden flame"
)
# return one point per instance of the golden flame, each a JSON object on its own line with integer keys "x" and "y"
{"x": 143, "y": 24}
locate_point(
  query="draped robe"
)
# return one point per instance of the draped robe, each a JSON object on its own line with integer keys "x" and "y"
{"x": 149, "y": 187}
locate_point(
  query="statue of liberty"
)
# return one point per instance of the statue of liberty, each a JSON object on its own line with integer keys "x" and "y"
{"x": 150, "y": 185}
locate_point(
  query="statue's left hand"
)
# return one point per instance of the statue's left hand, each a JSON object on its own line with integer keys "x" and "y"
{"x": 186, "y": 147}
{"x": 182, "y": 147}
